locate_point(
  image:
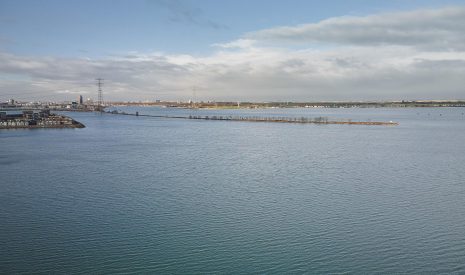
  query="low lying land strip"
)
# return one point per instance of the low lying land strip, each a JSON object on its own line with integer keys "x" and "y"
{"x": 318, "y": 104}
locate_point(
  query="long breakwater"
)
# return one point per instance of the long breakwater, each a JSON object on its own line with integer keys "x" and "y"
{"x": 300, "y": 120}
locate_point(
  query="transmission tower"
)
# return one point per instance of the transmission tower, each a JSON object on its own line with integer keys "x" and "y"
{"x": 100, "y": 94}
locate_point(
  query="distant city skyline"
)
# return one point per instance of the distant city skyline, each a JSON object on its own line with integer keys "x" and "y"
{"x": 232, "y": 50}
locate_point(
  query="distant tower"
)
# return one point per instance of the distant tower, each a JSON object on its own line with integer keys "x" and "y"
{"x": 100, "y": 95}
{"x": 81, "y": 101}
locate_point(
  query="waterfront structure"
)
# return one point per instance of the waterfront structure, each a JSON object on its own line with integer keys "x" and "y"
{"x": 35, "y": 118}
{"x": 301, "y": 120}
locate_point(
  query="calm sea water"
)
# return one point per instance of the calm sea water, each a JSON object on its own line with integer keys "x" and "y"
{"x": 146, "y": 195}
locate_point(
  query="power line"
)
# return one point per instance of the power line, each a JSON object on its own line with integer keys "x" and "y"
{"x": 100, "y": 94}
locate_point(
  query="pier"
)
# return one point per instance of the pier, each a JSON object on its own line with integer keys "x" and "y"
{"x": 299, "y": 120}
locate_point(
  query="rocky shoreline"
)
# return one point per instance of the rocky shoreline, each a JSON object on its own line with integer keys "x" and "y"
{"x": 49, "y": 121}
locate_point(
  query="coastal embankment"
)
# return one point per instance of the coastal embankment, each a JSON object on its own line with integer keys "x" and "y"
{"x": 30, "y": 119}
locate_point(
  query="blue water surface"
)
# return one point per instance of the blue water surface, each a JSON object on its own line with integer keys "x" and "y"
{"x": 133, "y": 194}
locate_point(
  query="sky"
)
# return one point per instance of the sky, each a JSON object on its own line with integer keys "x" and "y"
{"x": 232, "y": 50}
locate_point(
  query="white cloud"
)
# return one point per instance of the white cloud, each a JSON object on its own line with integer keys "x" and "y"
{"x": 431, "y": 29}
{"x": 73, "y": 92}
{"x": 373, "y": 69}
{"x": 239, "y": 44}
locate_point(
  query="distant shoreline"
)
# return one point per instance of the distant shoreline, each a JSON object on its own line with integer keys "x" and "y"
{"x": 273, "y": 105}
{"x": 229, "y": 105}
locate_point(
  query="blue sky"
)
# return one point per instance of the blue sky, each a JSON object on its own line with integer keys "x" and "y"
{"x": 96, "y": 28}
{"x": 168, "y": 37}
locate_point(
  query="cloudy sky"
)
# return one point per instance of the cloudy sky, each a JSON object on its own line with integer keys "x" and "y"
{"x": 259, "y": 50}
